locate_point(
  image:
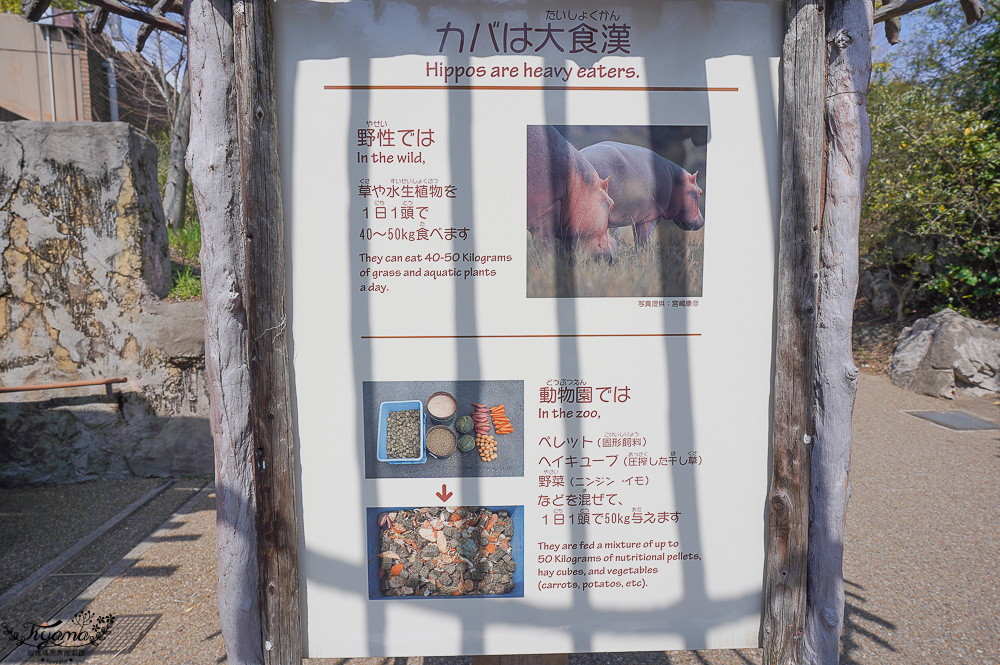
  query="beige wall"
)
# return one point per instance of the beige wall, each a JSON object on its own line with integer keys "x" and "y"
{"x": 24, "y": 71}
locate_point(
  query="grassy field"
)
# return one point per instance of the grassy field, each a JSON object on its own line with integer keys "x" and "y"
{"x": 671, "y": 266}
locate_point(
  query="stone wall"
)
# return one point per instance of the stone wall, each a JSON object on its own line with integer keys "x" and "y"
{"x": 83, "y": 245}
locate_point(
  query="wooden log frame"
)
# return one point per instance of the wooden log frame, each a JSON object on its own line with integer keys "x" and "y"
{"x": 848, "y": 150}
{"x": 802, "y": 154}
{"x": 815, "y": 378}
{"x": 270, "y": 386}
{"x": 233, "y": 120}
{"x": 808, "y": 296}
{"x": 826, "y": 58}
{"x": 215, "y": 175}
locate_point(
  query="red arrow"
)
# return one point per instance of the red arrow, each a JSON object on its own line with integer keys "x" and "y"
{"x": 444, "y": 494}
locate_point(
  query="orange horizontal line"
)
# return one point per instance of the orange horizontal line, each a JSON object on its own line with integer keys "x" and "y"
{"x": 593, "y": 88}
{"x": 532, "y": 336}
{"x": 66, "y": 384}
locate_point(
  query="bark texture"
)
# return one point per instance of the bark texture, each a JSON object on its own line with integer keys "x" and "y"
{"x": 803, "y": 61}
{"x": 213, "y": 165}
{"x": 175, "y": 190}
{"x": 270, "y": 387}
{"x": 849, "y": 39}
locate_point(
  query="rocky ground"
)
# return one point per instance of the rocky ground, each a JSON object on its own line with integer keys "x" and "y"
{"x": 873, "y": 344}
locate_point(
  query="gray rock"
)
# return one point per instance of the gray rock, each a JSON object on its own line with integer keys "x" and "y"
{"x": 176, "y": 328}
{"x": 84, "y": 264}
{"x": 947, "y": 353}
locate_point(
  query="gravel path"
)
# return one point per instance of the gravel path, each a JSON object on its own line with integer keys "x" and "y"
{"x": 923, "y": 534}
{"x": 920, "y": 565}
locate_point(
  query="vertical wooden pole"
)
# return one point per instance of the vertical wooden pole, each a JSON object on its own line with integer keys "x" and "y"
{"x": 849, "y": 40}
{"x": 802, "y": 151}
{"x": 216, "y": 181}
{"x": 270, "y": 392}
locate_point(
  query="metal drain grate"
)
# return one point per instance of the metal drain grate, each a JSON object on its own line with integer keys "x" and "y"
{"x": 955, "y": 420}
{"x": 126, "y": 633}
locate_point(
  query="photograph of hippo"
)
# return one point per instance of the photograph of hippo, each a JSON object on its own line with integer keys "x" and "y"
{"x": 615, "y": 210}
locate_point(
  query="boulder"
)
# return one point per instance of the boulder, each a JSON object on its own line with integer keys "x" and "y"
{"x": 84, "y": 266}
{"x": 947, "y": 354}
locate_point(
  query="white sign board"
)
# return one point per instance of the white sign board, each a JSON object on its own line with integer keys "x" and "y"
{"x": 551, "y": 226}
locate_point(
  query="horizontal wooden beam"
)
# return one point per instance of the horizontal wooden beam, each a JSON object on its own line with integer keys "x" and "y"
{"x": 900, "y": 7}
{"x": 161, "y": 22}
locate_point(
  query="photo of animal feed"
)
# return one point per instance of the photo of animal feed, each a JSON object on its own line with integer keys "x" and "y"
{"x": 615, "y": 210}
{"x": 445, "y": 552}
{"x": 443, "y": 429}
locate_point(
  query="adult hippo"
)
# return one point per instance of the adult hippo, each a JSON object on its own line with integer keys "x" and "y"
{"x": 646, "y": 187}
{"x": 566, "y": 200}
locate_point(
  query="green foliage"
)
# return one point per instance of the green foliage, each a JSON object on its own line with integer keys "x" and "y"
{"x": 14, "y": 6}
{"x": 931, "y": 220}
{"x": 185, "y": 284}
{"x": 185, "y": 244}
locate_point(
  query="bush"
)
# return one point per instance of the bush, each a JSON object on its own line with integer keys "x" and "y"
{"x": 931, "y": 220}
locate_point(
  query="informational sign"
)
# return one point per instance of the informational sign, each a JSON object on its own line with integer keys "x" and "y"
{"x": 532, "y": 253}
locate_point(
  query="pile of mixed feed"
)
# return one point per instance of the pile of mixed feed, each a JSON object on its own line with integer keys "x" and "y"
{"x": 463, "y": 551}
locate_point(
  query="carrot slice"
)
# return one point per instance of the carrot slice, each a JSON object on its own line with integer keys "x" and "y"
{"x": 396, "y": 570}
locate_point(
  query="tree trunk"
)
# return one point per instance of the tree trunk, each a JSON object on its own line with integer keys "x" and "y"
{"x": 263, "y": 236}
{"x": 213, "y": 164}
{"x": 175, "y": 191}
{"x": 803, "y": 67}
{"x": 849, "y": 39}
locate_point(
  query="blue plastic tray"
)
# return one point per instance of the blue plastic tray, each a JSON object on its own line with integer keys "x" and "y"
{"x": 383, "y": 420}
{"x": 516, "y": 550}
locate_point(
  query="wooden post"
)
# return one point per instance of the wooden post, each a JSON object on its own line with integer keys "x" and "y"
{"x": 849, "y": 39}
{"x": 234, "y": 168}
{"x": 823, "y": 179}
{"x": 263, "y": 236}
{"x": 803, "y": 62}
{"x": 215, "y": 177}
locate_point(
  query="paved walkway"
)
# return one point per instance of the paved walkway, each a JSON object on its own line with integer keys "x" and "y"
{"x": 921, "y": 553}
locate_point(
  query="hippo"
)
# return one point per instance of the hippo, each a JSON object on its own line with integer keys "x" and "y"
{"x": 646, "y": 187}
{"x": 566, "y": 200}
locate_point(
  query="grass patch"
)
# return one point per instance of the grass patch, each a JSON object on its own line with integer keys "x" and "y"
{"x": 185, "y": 283}
{"x": 187, "y": 242}
{"x": 670, "y": 266}
{"x": 185, "y": 266}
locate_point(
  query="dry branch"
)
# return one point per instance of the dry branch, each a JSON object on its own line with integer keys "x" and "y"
{"x": 973, "y": 10}
{"x": 97, "y": 21}
{"x": 160, "y": 22}
{"x": 33, "y": 9}
{"x": 893, "y": 26}
{"x": 899, "y": 8}
{"x": 146, "y": 29}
